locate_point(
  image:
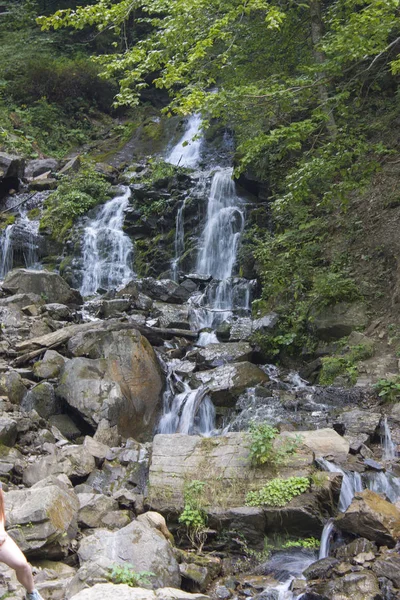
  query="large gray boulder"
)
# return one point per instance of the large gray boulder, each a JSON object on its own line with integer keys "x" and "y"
{"x": 227, "y": 382}
{"x": 110, "y": 591}
{"x": 171, "y": 315}
{"x": 325, "y": 443}
{"x": 121, "y": 382}
{"x": 75, "y": 461}
{"x": 338, "y": 320}
{"x": 137, "y": 544}
{"x": 50, "y": 286}
{"x": 39, "y": 166}
{"x": 42, "y": 520}
{"x": 11, "y": 165}
{"x": 373, "y": 518}
{"x": 216, "y": 355}
{"x": 42, "y": 398}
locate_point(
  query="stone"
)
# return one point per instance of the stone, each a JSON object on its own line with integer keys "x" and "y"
{"x": 72, "y": 166}
{"x": 168, "y": 593}
{"x": 249, "y": 520}
{"x": 266, "y": 323}
{"x": 42, "y": 520}
{"x": 96, "y": 448}
{"x": 8, "y": 431}
{"x": 113, "y": 308}
{"x": 139, "y": 544}
{"x": 302, "y": 516}
{"x": 241, "y": 329}
{"x": 362, "y": 585}
{"x": 222, "y": 462}
{"x": 11, "y": 165}
{"x": 110, "y": 591}
{"x": 373, "y": 464}
{"x": 42, "y": 398}
{"x": 39, "y": 166}
{"x": 94, "y": 510}
{"x": 47, "y": 284}
{"x": 216, "y": 355}
{"x": 12, "y": 386}
{"x": 227, "y": 382}
{"x": 74, "y": 461}
{"x": 197, "y": 577}
{"x": 56, "y": 311}
{"x": 122, "y": 381}
{"x": 171, "y": 315}
{"x": 325, "y": 443}
{"x": 321, "y": 569}
{"x": 358, "y": 546}
{"x": 388, "y": 565}
{"x": 166, "y": 290}
{"x": 154, "y": 519}
{"x": 358, "y": 421}
{"x": 372, "y": 517}
{"x": 50, "y": 366}
{"x": 338, "y": 320}
{"x": 66, "y": 426}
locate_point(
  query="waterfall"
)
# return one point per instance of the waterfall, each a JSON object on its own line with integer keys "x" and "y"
{"x": 107, "y": 250}
{"x": 326, "y": 539}
{"x": 22, "y": 235}
{"x": 186, "y": 153}
{"x": 351, "y": 483}
{"x": 389, "y": 448}
{"x": 385, "y": 484}
{"x": 179, "y": 241}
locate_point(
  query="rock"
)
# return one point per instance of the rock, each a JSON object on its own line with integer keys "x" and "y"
{"x": 109, "y": 172}
{"x": 249, "y": 520}
{"x": 302, "y": 516}
{"x": 154, "y": 519}
{"x": 96, "y": 510}
{"x": 358, "y": 421}
{"x": 197, "y": 577}
{"x": 72, "y": 166}
{"x": 373, "y": 464}
{"x": 11, "y": 165}
{"x": 358, "y": 546}
{"x": 74, "y": 461}
{"x": 388, "y": 565}
{"x": 221, "y": 462}
{"x": 226, "y": 383}
{"x": 121, "y": 382}
{"x": 216, "y": 355}
{"x": 166, "y": 290}
{"x": 12, "y": 386}
{"x": 110, "y": 591}
{"x": 372, "y": 517}
{"x": 321, "y": 569}
{"x": 10, "y": 460}
{"x": 8, "y": 431}
{"x": 113, "y": 308}
{"x": 325, "y": 443}
{"x": 241, "y": 329}
{"x": 47, "y": 284}
{"x": 22, "y": 300}
{"x": 168, "y": 593}
{"x": 139, "y": 544}
{"x": 171, "y": 315}
{"x": 222, "y": 593}
{"x": 362, "y": 585}
{"x": 66, "y": 426}
{"x": 41, "y": 184}
{"x": 266, "y": 323}
{"x": 42, "y": 398}
{"x": 338, "y": 320}
{"x": 39, "y": 166}
{"x": 50, "y": 366}
{"x": 96, "y": 448}
{"x": 42, "y": 520}
{"x": 59, "y": 312}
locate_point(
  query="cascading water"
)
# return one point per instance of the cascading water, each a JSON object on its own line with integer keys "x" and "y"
{"x": 326, "y": 539}
{"x": 179, "y": 241}
{"x": 107, "y": 250}
{"x": 186, "y": 153}
{"x": 351, "y": 483}
{"x": 389, "y": 448}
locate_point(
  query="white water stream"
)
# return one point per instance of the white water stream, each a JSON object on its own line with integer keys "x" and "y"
{"x": 186, "y": 153}
{"x": 22, "y": 235}
{"x": 107, "y": 250}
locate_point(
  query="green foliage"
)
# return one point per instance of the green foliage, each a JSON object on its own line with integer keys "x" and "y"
{"x": 389, "y": 389}
{"x": 76, "y": 194}
{"x": 6, "y": 220}
{"x": 193, "y": 515}
{"x": 344, "y": 364}
{"x": 278, "y": 492}
{"x": 262, "y": 447}
{"x": 126, "y": 574}
{"x": 310, "y": 543}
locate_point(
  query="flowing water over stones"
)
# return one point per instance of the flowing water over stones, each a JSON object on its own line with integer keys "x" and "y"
{"x": 389, "y": 448}
{"x": 107, "y": 250}
{"x": 186, "y": 153}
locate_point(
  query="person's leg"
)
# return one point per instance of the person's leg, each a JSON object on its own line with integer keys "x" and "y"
{"x": 12, "y": 556}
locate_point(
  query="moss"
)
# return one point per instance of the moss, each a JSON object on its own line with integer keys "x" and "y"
{"x": 34, "y": 213}
{"x": 6, "y": 220}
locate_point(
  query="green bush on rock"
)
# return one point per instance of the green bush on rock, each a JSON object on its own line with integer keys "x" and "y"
{"x": 126, "y": 574}
{"x": 193, "y": 514}
{"x": 75, "y": 195}
{"x": 388, "y": 389}
{"x": 262, "y": 448}
{"x": 278, "y": 492}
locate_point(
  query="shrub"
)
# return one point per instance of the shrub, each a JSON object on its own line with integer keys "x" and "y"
{"x": 389, "y": 389}
{"x": 278, "y": 492}
{"x": 310, "y": 543}
{"x": 262, "y": 449}
{"x": 344, "y": 364}
{"x": 193, "y": 515}
{"x": 126, "y": 574}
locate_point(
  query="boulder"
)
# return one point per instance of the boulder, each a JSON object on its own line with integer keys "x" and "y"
{"x": 114, "y": 308}
{"x": 388, "y": 565}
{"x": 216, "y": 355}
{"x": 97, "y": 510}
{"x": 39, "y": 166}
{"x": 46, "y": 284}
{"x": 371, "y": 517}
{"x": 42, "y": 398}
{"x": 356, "y": 422}
{"x": 171, "y": 315}
{"x": 266, "y": 323}
{"x": 166, "y": 290}
{"x": 137, "y": 544}
{"x": 50, "y": 366}
{"x": 110, "y": 591}
{"x": 12, "y": 386}
{"x": 11, "y": 165}
{"x": 121, "y": 382}
{"x": 362, "y": 585}
{"x": 338, "y": 320}
{"x": 42, "y": 520}
{"x": 325, "y": 443}
{"x": 59, "y": 312}
{"x": 74, "y": 461}
{"x": 65, "y": 426}
{"x": 8, "y": 431}
{"x": 227, "y": 382}
{"x": 241, "y": 329}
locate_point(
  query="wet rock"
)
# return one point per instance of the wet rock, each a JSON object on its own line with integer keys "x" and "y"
{"x": 8, "y": 431}
{"x": 11, "y": 165}
{"x": 50, "y": 366}
{"x": 39, "y": 166}
{"x": 248, "y": 520}
{"x": 356, "y": 547}
{"x": 358, "y": 421}
{"x": 74, "y": 461}
{"x": 121, "y": 382}
{"x": 215, "y": 355}
{"x": 42, "y": 398}
{"x": 388, "y": 565}
{"x": 59, "y": 312}
{"x": 241, "y": 329}
{"x": 266, "y": 323}
{"x": 325, "y": 443}
{"x": 46, "y": 284}
{"x": 226, "y": 383}
{"x": 166, "y": 290}
{"x": 353, "y": 586}
{"x": 114, "y": 308}
{"x": 137, "y": 544}
{"x": 39, "y": 518}
{"x": 321, "y": 569}
{"x": 171, "y": 315}
{"x": 372, "y": 517}
{"x": 339, "y": 320}
{"x": 373, "y": 464}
